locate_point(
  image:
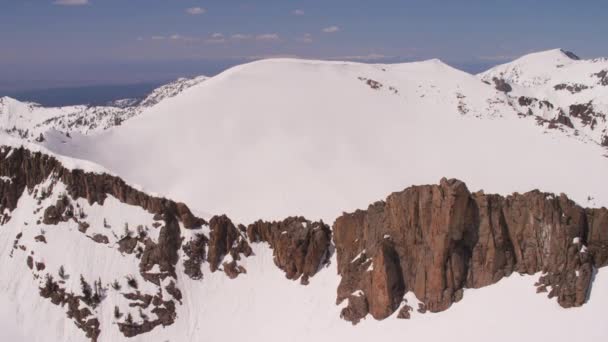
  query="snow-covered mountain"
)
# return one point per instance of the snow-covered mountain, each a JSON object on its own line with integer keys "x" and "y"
{"x": 30, "y": 120}
{"x": 293, "y": 151}
{"x": 559, "y": 89}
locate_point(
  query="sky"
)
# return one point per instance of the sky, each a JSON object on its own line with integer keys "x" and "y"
{"x": 52, "y": 43}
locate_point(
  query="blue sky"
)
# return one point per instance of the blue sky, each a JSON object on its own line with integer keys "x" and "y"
{"x": 67, "y": 41}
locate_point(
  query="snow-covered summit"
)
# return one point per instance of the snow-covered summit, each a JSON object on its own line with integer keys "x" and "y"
{"x": 266, "y": 136}
{"x": 557, "y": 86}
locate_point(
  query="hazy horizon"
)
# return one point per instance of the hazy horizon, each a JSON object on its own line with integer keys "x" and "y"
{"x": 50, "y": 44}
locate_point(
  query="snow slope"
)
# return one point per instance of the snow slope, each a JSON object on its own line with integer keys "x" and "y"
{"x": 263, "y": 306}
{"x": 283, "y": 137}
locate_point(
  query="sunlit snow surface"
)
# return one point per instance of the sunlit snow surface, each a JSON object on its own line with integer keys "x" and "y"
{"x": 285, "y": 137}
{"x": 277, "y": 138}
{"x": 264, "y": 306}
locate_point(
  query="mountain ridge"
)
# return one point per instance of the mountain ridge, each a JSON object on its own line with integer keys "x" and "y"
{"x": 245, "y": 180}
{"x": 194, "y": 249}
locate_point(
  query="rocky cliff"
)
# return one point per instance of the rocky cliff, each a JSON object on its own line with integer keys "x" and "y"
{"x": 436, "y": 240}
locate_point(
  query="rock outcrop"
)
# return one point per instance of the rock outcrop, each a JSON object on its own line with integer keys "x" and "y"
{"x": 436, "y": 240}
{"x": 300, "y": 247}
{"x": 27, "y": 169}
{"x": 225, "y": 239}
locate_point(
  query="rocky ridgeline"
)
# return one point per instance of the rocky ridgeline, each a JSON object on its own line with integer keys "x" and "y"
{"x": 300, "y": 246}
{"x": 27, "y": 169}
{"x": 436, "y": 240}
{"x": 433, "y": 240}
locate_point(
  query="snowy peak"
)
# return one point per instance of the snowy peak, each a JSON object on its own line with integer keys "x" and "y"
{"x": 559, "y": 89}
{"x": 30, "y": 120}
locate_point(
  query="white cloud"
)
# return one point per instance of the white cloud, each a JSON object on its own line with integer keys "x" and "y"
{"x": 71, "y": 2}
{"x": 175, "y": 37}
{"x": 331, "y": 29}
{"x": 497, "y": 58}
{"x": 216, "y": 38}
{"x": 267, "y": 37}
{"x": 196, "y": 10}
{"x": 306, "y": 38}
{"x": 368, "y": 57}
{"x": 298, "y": 12}
{"x": 257, "y": 57}
{"x": 241, "y": 36}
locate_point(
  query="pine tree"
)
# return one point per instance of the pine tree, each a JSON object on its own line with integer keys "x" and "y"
{"x": 127, "y": 231}
{"x": 97, "y": 292}
{"x": 87, "y": 292}
{"x": 132, "y": 282}
{"x": 116, "y": 285}
{"x": 143, "y": 315}
{"x": 62, "y": 273}
{"x": 117, "y": 313}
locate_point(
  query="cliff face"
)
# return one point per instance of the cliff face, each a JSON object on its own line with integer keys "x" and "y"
{"x": 436, "y": 240}
{"x": 300, "y": 246}
{"x": 26, "y": 169}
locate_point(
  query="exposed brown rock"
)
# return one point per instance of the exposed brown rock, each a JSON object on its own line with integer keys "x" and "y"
{"x": 572, "y": 88}
{"x": 40, "y": 238}
{"x": 603, "y": 76}
{"x": 404, "y": 313}
{"x": 445, "y": 239}
{"x": 502, "y": 85}
{"x": 357, "y": 308}
{"x": 83, "y": 226}
{"x": 165, "y": 316}
{"x": 82, "y": 317}
{"x": 127, "y": 244}
{"x": 587, "y": 114}
{"x": 164, "y": 253}
{"x": 51, "y": 215}
{"x": 300, "y": 247}
{"x": 100, "y": 238}
{"x": 525, "y": 101}
{"x": 174, "y": 291}
{"x": 232, "y": 269}
{"x": 195, "y": 249}
{"x": 27, "y": 169}
{"x": 225, "y": 239}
